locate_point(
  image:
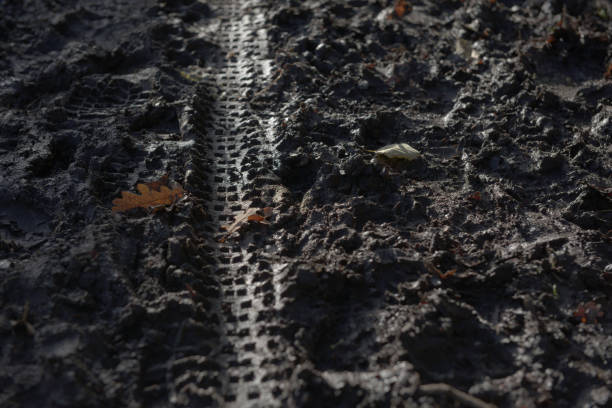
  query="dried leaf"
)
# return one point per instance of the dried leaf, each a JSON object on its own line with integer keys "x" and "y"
{"x": 249, "y": 214}
{"x": 398, "y": 151}
{"x": 589, "y": 311}
{"x": 148, "y": 198}
{"x": 267, "y": 211}
{"x": 464, "y": 48}
{"x": 476, "y": 196}
{"x": 192, "y": 292}
{"x": 400, "y": 8}
{"x": 432, "y": 268}
{"x": 608, "y": 73}
{"x": 257, "y": 218}
{"x": 240, "y": 219}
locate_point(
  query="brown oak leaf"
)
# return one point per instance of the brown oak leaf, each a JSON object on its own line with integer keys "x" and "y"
{"x": 148, "y": 198}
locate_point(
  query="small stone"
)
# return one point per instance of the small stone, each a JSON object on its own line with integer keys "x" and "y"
{"x": 601, "y": 396}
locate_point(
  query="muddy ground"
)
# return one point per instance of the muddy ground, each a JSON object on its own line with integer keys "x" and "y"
{"x": 485, "y": 264}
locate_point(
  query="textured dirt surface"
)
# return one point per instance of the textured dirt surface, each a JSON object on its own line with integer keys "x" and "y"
{"x": 485, "y": 264}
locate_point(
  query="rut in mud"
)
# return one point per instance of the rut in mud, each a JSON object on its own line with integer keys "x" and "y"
{"x": 233, "y": 165}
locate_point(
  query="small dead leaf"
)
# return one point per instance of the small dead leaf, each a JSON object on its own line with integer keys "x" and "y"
{"x": 589, "y": 311}
{"x": 249, "y": 214}
{"x": 401, "y": 7}
{"x": 608, "y": 73}
{"x": 563, "y": 11}
{"x": 192, "y": 292}
{"x": 257, "y": 218}
{"x": 239, "y": 220}
{"x": 476, "y": 196}
{"x": 433, "y": 269}
{"x": 464, "y": 48}
{"x": 188, "y": 76}
{"x": 398, "y": 151}
{"x": 148, "y": 198}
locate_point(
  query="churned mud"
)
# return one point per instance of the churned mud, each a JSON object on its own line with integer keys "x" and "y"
{"x": 479, "y": 274}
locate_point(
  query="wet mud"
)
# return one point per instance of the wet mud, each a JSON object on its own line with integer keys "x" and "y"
{"x": 484, "y": 265}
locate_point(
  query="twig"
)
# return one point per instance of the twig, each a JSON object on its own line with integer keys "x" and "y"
{"x": 23, "y": 323}
{"x": 458, "y": 395}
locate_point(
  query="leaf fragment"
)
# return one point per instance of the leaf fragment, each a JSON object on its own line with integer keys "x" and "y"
{"x": 588, "y": 311}
{"x": 149, "y": 197}
{"x": 442, "y": 275}
{"x": 257, "y": 218}
{"x": 608, "y": 73}
{"x": 267, "y": 211}
{"x": 400, "y": 8}
{"x": 250, "y": 214}
{"x": 398, "y": 151}
{"x": 475, "y": 196}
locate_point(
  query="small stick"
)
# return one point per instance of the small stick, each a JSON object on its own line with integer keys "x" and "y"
{"x": 519, "y": 43}
{"x": 458, "y": 395}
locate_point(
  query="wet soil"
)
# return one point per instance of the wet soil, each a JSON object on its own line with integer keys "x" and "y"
{"x": 485, "y": 264}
